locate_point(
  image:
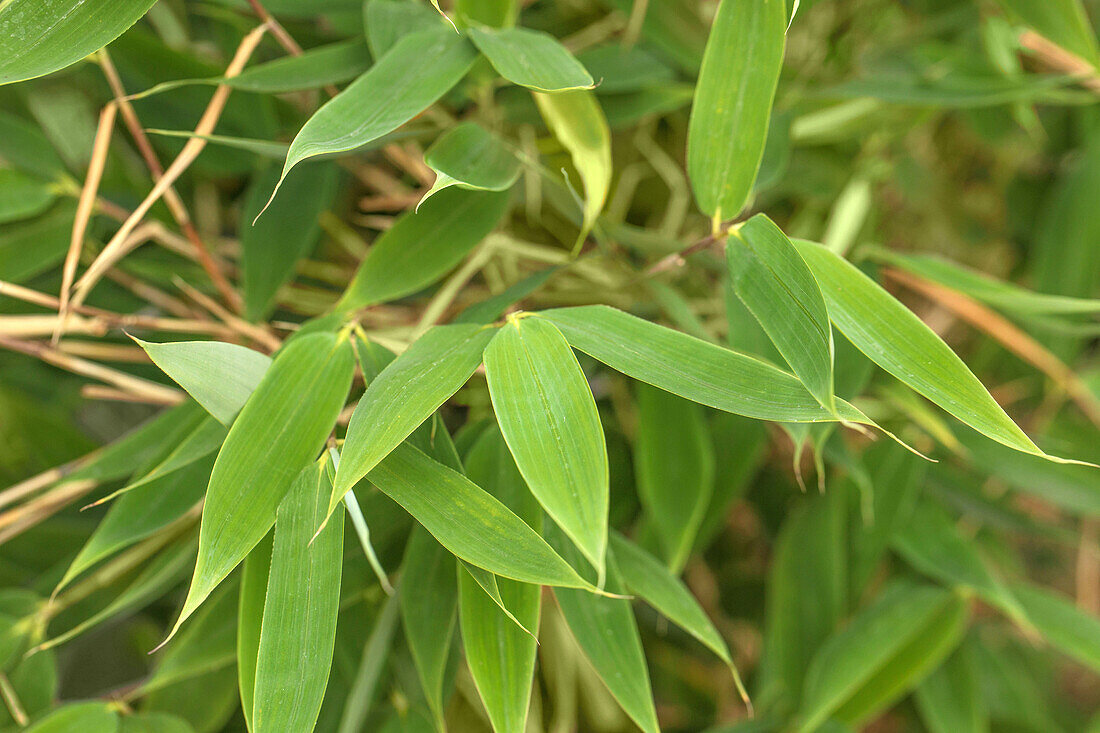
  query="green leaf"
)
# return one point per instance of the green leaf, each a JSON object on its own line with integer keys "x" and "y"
{"x": 532, "y": 59}
{"x": 674, "y": 469}
{"x": 548, "y": 417}
{"x": 899, "y": 342}
{"x": 424, "y": 245}
{"x": 22, "y": 196}
{"x": 931, "y": 544}
{"x": 950, "y": 698}
{"x": 33, "y": 246}
{"x": 405, "y": 394}
{"x": 409, "y": 78}
{"x": 576, "y": 120}
{"x": 494, "y": 307}
{"x": 494, "y": 13}
{"x": 429, "y": 598}
{"x": 882, "y": 653}
{"x": 468, "y": 521}
{"x": 141, "y": 513}
{"x": 645, "y": 576}
{"x": 86, "y": 717}
{"x": 281, "y": 429}
{"x": 621, "y": 69}
{"x": 691, "y": 368}
{"x": 607, "y": 632}
{"x": 41, "y": 36}
{"x": 1069, "y": 629}
{"x": 470, "y": 157}
{"x": 154, "y": 723}
{"x": 389, "y": 20}
{"x": 1063, "y": 21}
{"x": 806, "y": 596}
{"x": 733, "y": 100}
{"x": 303, "y": 599}
{"x": 264, "y": 148}
{"x": 313, "y": 69}
{"x": 207, "y": 645}
{"x": 774, "y": 283}
{"x": 23, "y": 146}
{"x": 221, "y": 390}
{"x": 255, "y": 572}
{"x": 273, "y": 245}
{"x": 499, "y": 652}
{"x": 199, "y": 443}
{"x": 35, "y": 681}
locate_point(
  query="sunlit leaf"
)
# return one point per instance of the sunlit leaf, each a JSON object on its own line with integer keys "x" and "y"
{"x": 532, "y": 59}
{"x": 548, "y": 417}
{"x": 733, "y": 100}
{"x": 87, "y": 717}
{"x": 281, "y": 429}
{"x": 469, "y": 156}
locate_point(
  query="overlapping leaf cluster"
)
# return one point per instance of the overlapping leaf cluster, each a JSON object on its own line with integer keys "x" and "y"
{"x": 555, "y": 308}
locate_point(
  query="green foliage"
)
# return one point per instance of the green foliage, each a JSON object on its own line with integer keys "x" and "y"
{"x": 575, "y": 309}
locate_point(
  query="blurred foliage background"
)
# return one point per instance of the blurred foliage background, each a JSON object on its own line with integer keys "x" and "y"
{"x": 923, "y": 127}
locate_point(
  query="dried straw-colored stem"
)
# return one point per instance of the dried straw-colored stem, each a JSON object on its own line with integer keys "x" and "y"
{"x": 259, "y": 334}
{"x": 1059, "y": 59}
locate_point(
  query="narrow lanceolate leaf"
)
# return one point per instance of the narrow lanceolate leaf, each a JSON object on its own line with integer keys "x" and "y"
{"x": 881, "y": 654}
{"x": 417, "y": 71}
{"x": 429, "y": 598}
{"x": 220, "y": 376}
{"x": 468, "y": 521}
{"x": 951, "y": 700}
{"x": 532, "y": 59}
{"x": 548, "y": 417}
{"x": 1069, "y": 629}
{"x": 86, "y": 717}
{"x": 644, "y": 575}
{"x": 423, "y": 245}
{"x": 733, "y": 101}
{"x": 250, "y": 617}
{"x": 674, "y": 467}
{"x": 899, "y": 342}
{"x": 692, "y": 368}
{"x": 493, "y": 13}
{"x": 388, "y": 21}
{"x": 273, "y": 245}
{"x": 140, "y": 513}
{"x": 607, "y": 632}
{"x": 313, "y": 69}
{"x": 774, "y": 283}
{"x": 500, "y": 654}
{"x": 404, "y": 395}
{"x": 930, "y": 543}
{"x": 199, "y": 443}
{"x": 303, "y": 601}
{"x": 577, "y": 121}
{"x": 469, "y": 156}
{"x": 65, "y": 31}
{"x": 280, "y": 430}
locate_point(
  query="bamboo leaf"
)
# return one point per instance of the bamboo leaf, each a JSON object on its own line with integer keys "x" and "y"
{"x": 883, "y": 652}
{"x": 22, "y": 196}
{"x": 493, "y": 13}
{"x": 255, "y": 572}
{"x": 86, "y": 717}
{"x": 25, "y": 147}
{"x": 140, "y": 514}
{"x": 732, "y": 105}
{"x": 899, "y": 342}
{"x": 303, "y": 599}
{"x": 221, "y": 390}
{"x": 774, "y": 283}
{"x": 469, "y": 522}
{"x": 1069, "y": 629}
{"x": 409, "y": 78}
{"x": 607, "y": 632}
{"x": 429, "y": 598}
{"x": 532, "y": 59}
{"x": 273, "y": 245}
{"x": 199, "y": 443}
{"x": 154, "y": 723}
{"x": 549, "y": 420}
{"x": 930, "y": 543}
{"x": 207, "y": 645}
{"x": 691, "y": 368}
{"x": 423, "y": 245}
{"x": 577, "y": 121}
{"x": 950, "y": 698}
{"x": 390, "y": 20}
{"x": 468, "y": 156}
{"x": 33, "y": 246}
{"x": 499, "y": 651}
{"x": 312, "y": 69}
{"x": 64, "y": 31}
{"x": 644, "y": 575}
{"x": 281, "y": 428}
{"x": 674, "y": 469}
{"x": 405, "y": 394}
